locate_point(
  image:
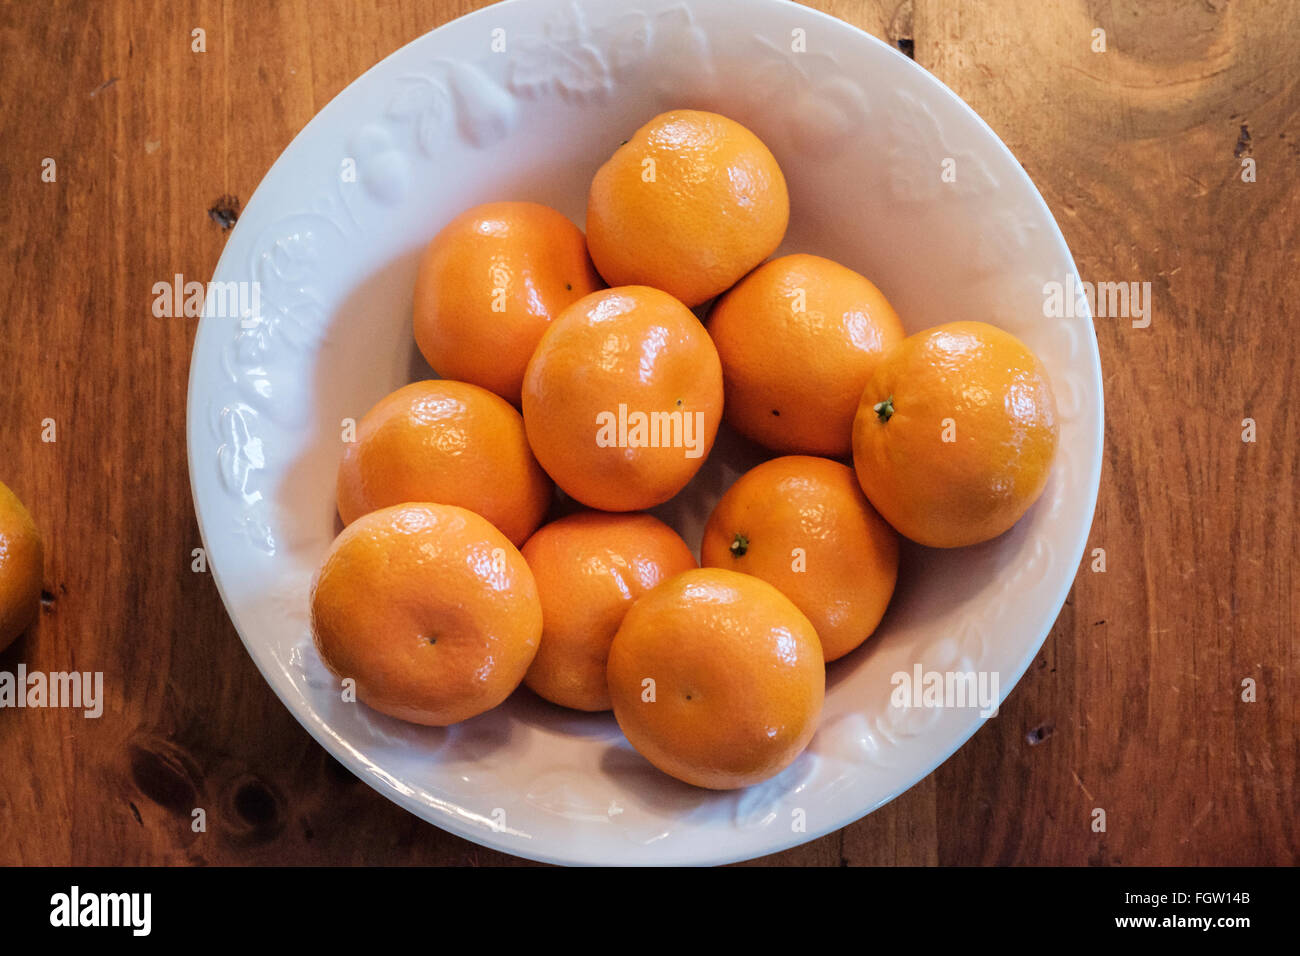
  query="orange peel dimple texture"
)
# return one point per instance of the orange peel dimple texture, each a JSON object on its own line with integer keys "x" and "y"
{"x": 969, "y": 443}
{"x": 738, "y": 678}
{"x": 689, "y": 204}
{"x": 429, "y": 609}
{"x": 803, "y": 525}
{"x": 618, "y": 353}
{"x": 590, "y": 568}
{"x": 450, "y": 443}
{"x": 799, "y": 338}
{"x": 488, "y": 286}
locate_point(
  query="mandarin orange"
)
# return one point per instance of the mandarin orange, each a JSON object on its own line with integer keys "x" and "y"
{"x": 717, "y": 678}
{"x": 689, "y": 204}
{"x": 450, "y": 443}
{"x": 488, "y": 286}
{"x": 622, "y": 398}
{"x": 955, "y": 435}
{"x": 803, "y": 525}
{"x": 590, "y": 567}
{"x": 429, "y": 609}
{"x": 798, "y": 338}
{"x": 22, "y": 566}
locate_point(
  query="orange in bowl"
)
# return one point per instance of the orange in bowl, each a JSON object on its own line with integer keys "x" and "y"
{"x": 429, "y": 609}
{"x": 956, "y": 433}
{"x": 590, "y": 567}
{"x": 798, "y": 338}
{"x": 803, "y": 525}
{"x": 717, "y": 678}
{"x": 623, "y": 397}
{"x": 490, "y": 283}
{"x": 689, "y": 204}
{"x": 450, "y": 443}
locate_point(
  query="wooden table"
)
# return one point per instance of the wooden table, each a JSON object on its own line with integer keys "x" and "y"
{"x": 1134, "y": 704}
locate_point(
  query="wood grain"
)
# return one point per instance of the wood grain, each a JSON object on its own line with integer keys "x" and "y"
{"x": 1134, "y": 705}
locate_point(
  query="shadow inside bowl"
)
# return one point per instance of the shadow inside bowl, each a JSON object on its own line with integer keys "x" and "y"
{"x": 532, "y": 710}
{"x": 653, "y": 789}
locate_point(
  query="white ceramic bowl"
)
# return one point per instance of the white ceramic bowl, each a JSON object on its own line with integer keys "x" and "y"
{"x": 446, "y": 122}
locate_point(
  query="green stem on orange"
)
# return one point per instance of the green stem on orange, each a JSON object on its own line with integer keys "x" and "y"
{"x": 739, "y": 545}
{"x": 884, "y": 410}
